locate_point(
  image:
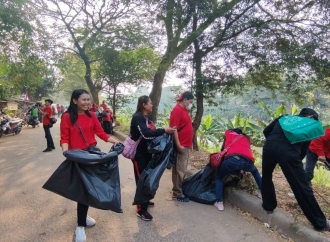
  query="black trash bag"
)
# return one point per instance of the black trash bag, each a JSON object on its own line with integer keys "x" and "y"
{"x": 200, "y": 187}
{"x": 172, "y": 160}
{"x": 89, "y": 178}
{"x": 149, "y": 179}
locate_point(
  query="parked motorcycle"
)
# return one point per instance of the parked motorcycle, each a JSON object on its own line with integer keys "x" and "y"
{"x": 10, "y": 126}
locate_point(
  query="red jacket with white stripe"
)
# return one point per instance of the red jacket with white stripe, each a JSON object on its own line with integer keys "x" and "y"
{"x": 241, "y": 147}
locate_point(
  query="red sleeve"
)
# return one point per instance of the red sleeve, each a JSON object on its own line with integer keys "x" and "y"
{"x": 175, "y": 118}
{"x": 98, "y": 129}
{"x": 321, "y": 142}
{"x": 65, "y": 129}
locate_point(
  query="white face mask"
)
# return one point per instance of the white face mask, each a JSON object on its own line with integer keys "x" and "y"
{"x": 189, "y": 106}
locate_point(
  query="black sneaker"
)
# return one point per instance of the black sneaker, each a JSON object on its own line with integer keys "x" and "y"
{"x": 47, "y": 150}
{"x": 53, "y": 148}
{"x": 151, "y": 203}
{"x": 183, "y": 199}
{"x": 144, "y": 215}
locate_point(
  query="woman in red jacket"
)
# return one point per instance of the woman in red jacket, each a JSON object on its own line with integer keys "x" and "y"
{"x": 77, "y": 118}
{"x": 319, "y": 149}
{"x": 239, "y": 157}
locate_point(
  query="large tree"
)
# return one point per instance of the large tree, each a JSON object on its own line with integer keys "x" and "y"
{"x": 177, "y": 18}
{"x": 278, "y": 45}
{"x": 88, "y": 25}
{"x": 125, "y": 68}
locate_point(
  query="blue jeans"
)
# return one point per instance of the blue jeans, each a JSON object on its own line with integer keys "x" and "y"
{"x": 311, "y": 160}
{"x": 230, "y": 165}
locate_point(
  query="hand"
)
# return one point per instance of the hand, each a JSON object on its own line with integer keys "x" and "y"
{"x": 65, "y": 153}
{"x": 180, "y": 149}
{"x": 169, "y": 130}
{"x": 113, "y": 141}
{"x": 322, "y": 158}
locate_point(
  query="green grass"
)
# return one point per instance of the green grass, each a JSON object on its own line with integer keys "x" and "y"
{"x": 321, "y": 176}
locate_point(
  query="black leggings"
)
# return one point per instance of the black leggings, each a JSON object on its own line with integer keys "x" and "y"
{"x": 82, "y": 214}
{"x": 139, "y": 165}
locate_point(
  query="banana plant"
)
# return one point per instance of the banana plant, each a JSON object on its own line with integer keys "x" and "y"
{"x": 210, "y": 132}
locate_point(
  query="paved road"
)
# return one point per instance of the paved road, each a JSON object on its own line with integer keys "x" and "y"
{"x": 30, "y": 213}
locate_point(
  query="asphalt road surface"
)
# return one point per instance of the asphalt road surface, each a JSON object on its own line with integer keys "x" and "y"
{"x": 30, "y": 213}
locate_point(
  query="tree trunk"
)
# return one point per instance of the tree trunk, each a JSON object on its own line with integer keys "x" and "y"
{"x": 114, "y": 100}
{"x": 156, "y": 91}
{"x": 199, "y": 95}
{"x": 199, "y": 88}
{"x": 88, "y": 75}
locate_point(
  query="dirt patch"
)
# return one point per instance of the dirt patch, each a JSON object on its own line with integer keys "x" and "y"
{"x": 199, "y": 159}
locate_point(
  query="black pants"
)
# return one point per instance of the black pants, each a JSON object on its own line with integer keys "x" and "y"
{"x": 48, "y": 136}
{"x": 139, "y": 165}
{"x": 82, "y": 214}
{"x": 288, "y": 158}
{"x": 106, "y": 127}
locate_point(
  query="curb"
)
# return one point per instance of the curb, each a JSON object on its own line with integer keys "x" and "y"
{"x": 121, "y": 137}
{"x": 280, "y": 220}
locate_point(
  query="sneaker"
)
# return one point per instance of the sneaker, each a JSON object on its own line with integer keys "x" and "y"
{"x": 151, "y": 203}
{"x": 144, "y": 215}
{"x": 219, "y": 206}
{"x": 327, "y": 227}
{"x": 290, "y": 194}
{"x": 90, "y": 222}
{"x": 47, "y": 150}
{"x": 53, "y": 148}
{"x": 183, "y": 199}
{"x": 80, "y": 235}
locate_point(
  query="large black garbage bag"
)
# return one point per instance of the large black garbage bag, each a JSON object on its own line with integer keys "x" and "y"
{"x": 200, "y": 187}
{"x": 148, "y": 183}
{"x": 90, "y": 178}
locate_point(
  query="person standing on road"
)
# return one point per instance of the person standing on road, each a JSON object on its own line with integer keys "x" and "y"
{"x": 106, "y": 121}
{"x": 239, "y": 157}
{"x": 47, "y": 113}
{"x": 279, "y": 150}
{"x": 319, "y": 149}
{"x": 104, "y": 106}
{"x": 183, "y": 140}
{"x": 77, "y": 122}
{"x": 58, "y": 108}
{"x": 143, "y": 128}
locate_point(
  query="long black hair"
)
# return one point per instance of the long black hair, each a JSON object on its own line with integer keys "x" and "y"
{"x": 142, "y": 100}
{"x": 72, "y": 109}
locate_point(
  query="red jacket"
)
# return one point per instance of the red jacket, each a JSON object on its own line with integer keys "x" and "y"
{"x": 181, "y": 120}
{"x": 49, "y": 111}
{"x": 90, "y": 127}
{"x": 321, "y": 146}
{"x": 240, "y": 147}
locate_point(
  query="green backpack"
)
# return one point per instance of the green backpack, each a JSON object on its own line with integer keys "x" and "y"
{"x": 299, "y": 129}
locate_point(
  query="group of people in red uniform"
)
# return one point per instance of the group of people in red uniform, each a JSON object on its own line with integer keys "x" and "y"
{"x": 106, "y": 117}
{"x": 81, "y": 118}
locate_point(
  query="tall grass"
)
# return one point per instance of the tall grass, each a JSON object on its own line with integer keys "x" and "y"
{"x": 321, "y": 176}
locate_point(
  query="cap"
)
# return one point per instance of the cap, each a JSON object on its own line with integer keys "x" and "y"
{"x": 185, "y": 95}
{"x": 307, "y": 112}
{"x": 49, "y": 100}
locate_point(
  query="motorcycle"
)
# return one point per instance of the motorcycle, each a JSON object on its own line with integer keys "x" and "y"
{"x": 10, "y": 126}
{"x": 33, "y": 121}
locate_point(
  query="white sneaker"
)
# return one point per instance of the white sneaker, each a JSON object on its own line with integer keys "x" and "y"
{"x": 80, "y": 235}
{"x": 90, "y": 222}
{"x": 219, "y": 206}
